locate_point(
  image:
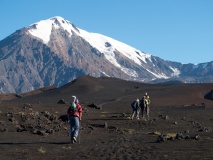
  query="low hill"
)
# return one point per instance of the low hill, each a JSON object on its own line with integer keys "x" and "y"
{"x": 104, "y": 89}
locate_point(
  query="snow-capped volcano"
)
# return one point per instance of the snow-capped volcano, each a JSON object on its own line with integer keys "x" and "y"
{"x": 106, "y": 45}
{"x": 54, "y": 52}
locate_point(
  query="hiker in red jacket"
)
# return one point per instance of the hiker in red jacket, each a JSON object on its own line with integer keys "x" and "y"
{"x": 74, "y": 114}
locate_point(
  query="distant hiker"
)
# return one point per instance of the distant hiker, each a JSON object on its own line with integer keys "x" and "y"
{"x": 144, "y": 104}
{"x": 145, "y": 94}
{"x": 135, "y": 109}
{"x": 147, "y": 106}
{"x": 74, "y": 114}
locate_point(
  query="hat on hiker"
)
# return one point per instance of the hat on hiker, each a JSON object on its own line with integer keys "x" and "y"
{"x": 137, "y": 100}
{"x": 75, "y": 99}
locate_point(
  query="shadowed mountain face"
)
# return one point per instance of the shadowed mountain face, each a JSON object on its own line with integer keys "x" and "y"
{"x": 209, "y": 95}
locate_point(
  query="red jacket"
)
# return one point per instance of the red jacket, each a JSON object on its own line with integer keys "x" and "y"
{"x": 78, "y": 111}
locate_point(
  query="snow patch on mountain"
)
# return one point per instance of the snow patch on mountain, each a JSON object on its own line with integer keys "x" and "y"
{"x": 159, "y": 75}
{"x": 204, "y": 65}
{"x": 43, "y": 28}
{"x": 130, "y": 72}
{"x": 104, "y": 73}
{"x": 176, "y": 72}
{"x": 108, "y": 45}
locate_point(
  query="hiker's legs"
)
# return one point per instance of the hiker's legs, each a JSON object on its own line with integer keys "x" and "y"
{"x": 147, "y": 112}
{"x": 138, "y": 112}
{"x": 72, "y": 127}
{"x": 143, "y": 111}
{"x": 133, "y": 113}
{"x": 77, "y": 127}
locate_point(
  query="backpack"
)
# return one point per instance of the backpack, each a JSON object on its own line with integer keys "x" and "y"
{"x": 134, "y": 104}
{"x": 142, "y": 102}
{"x": 73, "y": 107}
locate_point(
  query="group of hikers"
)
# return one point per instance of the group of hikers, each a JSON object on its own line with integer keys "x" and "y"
{"x": 141, "y": 105}
{"x": 74, "y": 114}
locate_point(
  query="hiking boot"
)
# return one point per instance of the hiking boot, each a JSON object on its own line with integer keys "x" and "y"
{"x": 74, "y": 139}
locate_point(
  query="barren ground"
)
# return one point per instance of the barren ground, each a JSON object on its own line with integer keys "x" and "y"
{"x": 33, "y": 127}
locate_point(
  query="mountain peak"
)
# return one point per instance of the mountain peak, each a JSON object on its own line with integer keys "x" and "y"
{"x": 58, "y": 18}
{"x": 43, "y": 28}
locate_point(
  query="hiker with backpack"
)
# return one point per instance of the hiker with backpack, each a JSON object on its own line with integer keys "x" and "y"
{"x": 145, "y": 104}
{"x": 74, "y": 114}
{"x": 135, "y": 109}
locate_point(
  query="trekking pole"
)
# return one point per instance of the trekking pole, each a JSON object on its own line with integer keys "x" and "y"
{"x": 79, "y": 136}
{"x": 79, "y": 133}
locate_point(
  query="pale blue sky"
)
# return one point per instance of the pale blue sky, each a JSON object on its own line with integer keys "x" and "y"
{"x": 175, "y": 30}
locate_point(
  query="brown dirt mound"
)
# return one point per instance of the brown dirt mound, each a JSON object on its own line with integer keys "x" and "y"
{"x": 84, "y": 84}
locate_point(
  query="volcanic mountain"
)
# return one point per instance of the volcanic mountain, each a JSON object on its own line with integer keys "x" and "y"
{"x": 54, "y": 52}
